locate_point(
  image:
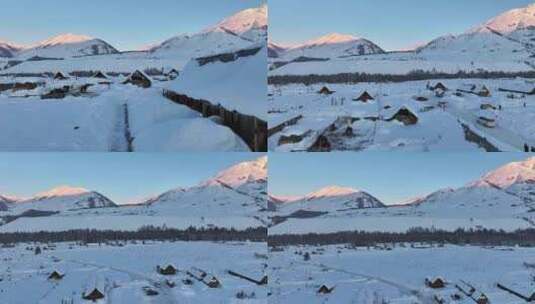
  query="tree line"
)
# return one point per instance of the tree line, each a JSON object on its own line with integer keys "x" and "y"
{"x": 258, "y": 234}
{"x": 411, "y": 76}
{"x": 482, "y": 237}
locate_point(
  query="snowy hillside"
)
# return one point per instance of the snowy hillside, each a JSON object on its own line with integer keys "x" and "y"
{"x": 63, "y": 198}
{"x": 67, "y": 46}
{"x": 239, "y": 190}
{"x": 185, "y": 47}
{"x": 517, "y": 24}
{"x": 331, "y": 46}
{"x": 6, "y": 202}
{"x": 233, "y": 33}
{"x": 8, "y": 50}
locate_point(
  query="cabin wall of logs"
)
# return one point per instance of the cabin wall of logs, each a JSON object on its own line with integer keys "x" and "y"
{"x": 252, "y": 130}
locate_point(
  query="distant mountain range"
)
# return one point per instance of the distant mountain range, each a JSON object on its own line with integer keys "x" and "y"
{"x": 509, "y": 37}
{"x": 238, "y": 31}
{"x": 239, "y": 191}
{"x": 507, "y": 193}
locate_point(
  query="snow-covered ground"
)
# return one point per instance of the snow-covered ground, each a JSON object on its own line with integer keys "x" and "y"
{"x": 438, "y": 128}
{"x": 96, "y": 121}
{"x": 124, "y": 273}
{"x": 370, "y": 276}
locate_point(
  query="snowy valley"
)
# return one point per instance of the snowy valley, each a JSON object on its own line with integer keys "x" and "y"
{"x": 468, "y": 92}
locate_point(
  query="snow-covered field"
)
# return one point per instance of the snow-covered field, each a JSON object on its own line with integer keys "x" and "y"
{"x": 370, "y": 275}
{"x": 96, "y": 121}
{"x": 439, "y": 128}
{"x": 125, "y": 272}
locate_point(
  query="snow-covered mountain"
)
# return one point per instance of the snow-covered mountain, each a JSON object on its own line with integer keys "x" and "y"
{"x": 67, "y": 46}
{"x": 250, "y": 24}
{"x": 332, "y": 200}
{"x": 63, "y": 198}
{"x": 236, "y": 32}
{"x": 8, "y": 50}
{"x": 510, "y": 174}
{"x": 506, "y": 191}
{"x": 331, "y": 46}
{"x": 517, "y": 24}
{"x": 238, "y": 190}
{"x": 509, "y": 36}
{"x": 6, "y": 202}
{"x": 275, "y": 50}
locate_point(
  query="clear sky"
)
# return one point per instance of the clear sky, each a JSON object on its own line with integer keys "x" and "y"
{"x": 389, "y": 23}
{"x": 125, "y": 24}
{"x": 123, "y": 177}
{"x": 390, "y": 176}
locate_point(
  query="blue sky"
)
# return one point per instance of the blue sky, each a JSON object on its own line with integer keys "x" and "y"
{"x": 390, "y": 176}
{"x": 122, "y": 177}
{"x": 389, "y": 23}
{"x": 126, "y": 24}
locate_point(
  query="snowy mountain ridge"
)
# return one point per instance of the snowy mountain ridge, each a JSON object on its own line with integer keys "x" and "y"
{"x": 331, "y": 46}
{"x": 250, "y": 24}
{"x": 61, "y": 191}
{"x": 510, "y": 174}
{"x": 512, "y": 20}
{"x": 242, "y": 173}
{"x": 68, "y": 46}
{"x": 238, "y": 31}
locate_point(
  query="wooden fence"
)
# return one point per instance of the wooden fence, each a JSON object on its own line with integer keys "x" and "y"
{"x": 252, "y": 130}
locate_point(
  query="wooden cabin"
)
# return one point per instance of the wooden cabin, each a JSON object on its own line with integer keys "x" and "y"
{"x": 60, "y": 76}
{"x": 168, "y": 270}
{"x": 325, "y": 91}
{"x": 405, "y": 116}
{"x": 437, "y": 86}
{"x": 55, "y": 275}
{"x": 483, "y": 299}
{"x": 487, "y": 118}
{"x": 139, "y": 79}
{"x": 435, "y": 283}
{"x": 483, "y": 91}
{"x": 364, "y": 97}
{"x": 213, "y": 283}
{"x": 93, "y": 295}
{"x": 325, "y": 290}
{"x": 487, "y": 106}
{"x": 173, "y": 74}
{"x": 100, "y": 75}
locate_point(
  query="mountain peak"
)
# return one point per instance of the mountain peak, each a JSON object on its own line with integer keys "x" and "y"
{"x": 63, "y": 191}
{"x": 512, "y": 20}
{"x": 241, "y": 173}
{"x": 331, "y": 191}
{"x": 245, "y": 20}
{"x": 509, "y": 174}
{"x": 65, "y": 39}
{"x": 332, "y": 38}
